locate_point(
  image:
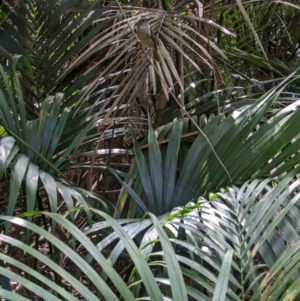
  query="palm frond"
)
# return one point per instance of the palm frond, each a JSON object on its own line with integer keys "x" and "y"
{"x": 246, "y": 145}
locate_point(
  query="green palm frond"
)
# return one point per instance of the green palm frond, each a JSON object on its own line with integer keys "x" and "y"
{"x": 18, "y": 169}
{"x": 50, "y": 39}
{"x": 240, "y": 245}
{"x": 36, "y": 152}
{"x": 246, "y": 145}
{"x": 256, "y": 222}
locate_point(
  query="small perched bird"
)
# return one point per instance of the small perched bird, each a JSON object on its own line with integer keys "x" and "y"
{"x": 145, "y": 36}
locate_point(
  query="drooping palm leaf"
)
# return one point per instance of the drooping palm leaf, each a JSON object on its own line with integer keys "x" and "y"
{"x": 243, "y": 142}
{"x": 38, "y": 150}
{"x": 20, "y": 169}
{"x": 244, "y": 224}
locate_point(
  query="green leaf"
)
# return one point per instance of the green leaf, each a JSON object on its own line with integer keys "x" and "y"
{"x": 177, "y": 284}
{"x": 222, "y": 282}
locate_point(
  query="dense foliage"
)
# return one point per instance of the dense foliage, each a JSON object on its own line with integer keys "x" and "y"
{"x": 128, "y": 178}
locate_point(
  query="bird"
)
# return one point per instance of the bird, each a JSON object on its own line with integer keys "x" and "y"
{"x": 145, "y": 36}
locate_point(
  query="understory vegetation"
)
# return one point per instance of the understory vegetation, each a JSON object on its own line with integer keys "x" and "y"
{"x": 124, "y": 177}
